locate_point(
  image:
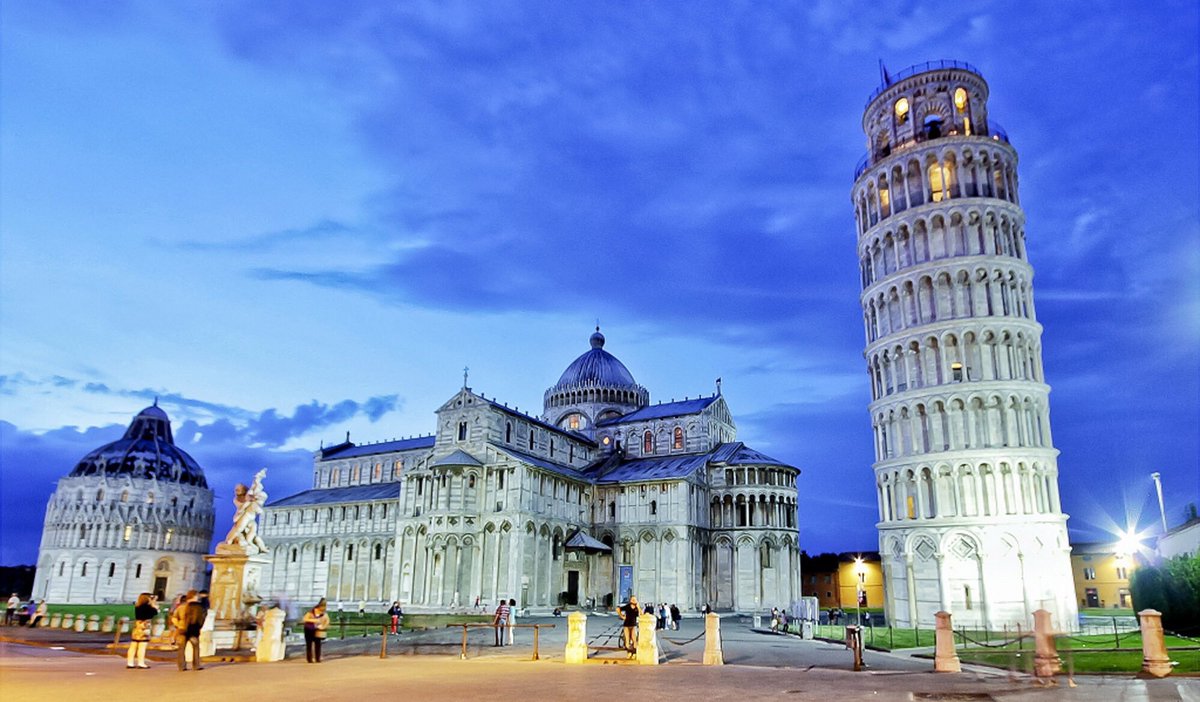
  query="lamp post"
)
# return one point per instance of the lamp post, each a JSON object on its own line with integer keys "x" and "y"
{"x": 1157, "y": 478}
{"x": 860, "y": 573}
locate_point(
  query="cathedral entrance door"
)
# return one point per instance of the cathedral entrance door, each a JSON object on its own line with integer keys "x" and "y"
{"x": 160, "y": 588}
{"x": 572, "y": 587}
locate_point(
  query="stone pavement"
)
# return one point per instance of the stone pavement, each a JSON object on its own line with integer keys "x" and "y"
{"x": 425, "y": 666}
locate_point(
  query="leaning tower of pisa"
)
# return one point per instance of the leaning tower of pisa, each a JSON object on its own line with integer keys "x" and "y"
{"x": 965, "y": 469}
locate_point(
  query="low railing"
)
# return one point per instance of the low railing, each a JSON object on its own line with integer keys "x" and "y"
{"x": 892, "y": 78}
{"x": 995, "y": 131}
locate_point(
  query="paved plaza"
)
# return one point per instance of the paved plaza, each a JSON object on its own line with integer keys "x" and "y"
{"x": 426, "y": 666}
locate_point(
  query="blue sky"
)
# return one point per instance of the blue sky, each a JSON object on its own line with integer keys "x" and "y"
{"x": 291, "y": 220}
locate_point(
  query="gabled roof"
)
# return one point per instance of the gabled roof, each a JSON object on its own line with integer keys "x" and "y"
{"x": 738, "y": 454}
{"x": 458, "y": 458}
{"x": 581, "y": 541}
{"x": 349, "y": 450}
{"x": 682, "y": 408}
{"x": 582, "y": 438}
{"x": 542, "y": 463}
{"x": 662, "y": 468}
{"x": 353, "y": 493}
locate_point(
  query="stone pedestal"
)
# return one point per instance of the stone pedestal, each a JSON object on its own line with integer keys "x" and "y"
{"x": 712, "y": 640}
{"x": 647, "y": 643}
{"x": 93, "y": 623}
{"x": 68, "y": 621}
{"x": 1155, "y": 661}
{"x": 577, "y": 651}
{"x": 235, "y": 578}
{"x": 80, "y": 623}
{"x": 1046, "y": 663}
{"x": 55, "y": 621}
{"x": 208, "y": 647}
{"x": 945, "y": 658}
{"x": 270, "y": 637}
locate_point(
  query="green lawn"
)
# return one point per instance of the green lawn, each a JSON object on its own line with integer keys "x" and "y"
{"x": 1081, "y": 661}
{"x": 116, "y": 610}
{"x": 1101, "y": 612}
{"x": 374, "y": 623}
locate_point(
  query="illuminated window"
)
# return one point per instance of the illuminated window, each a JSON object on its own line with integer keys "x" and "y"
{"x": 902, "y": 110}
{"x": 939, "y": 182}
{"x": 911, "y": 507}
{"x": 378, "y": 471}
{"x": 128, "y": 532}
{"x": 960, "y": 99}
{"x": 606, "y": 441}
{"x": 1089, "y": 573}
{"x": 648, "y": 443}
{"x": 169, "y": 536}
{"x": 1122, "y": 573}
{"x": 678, "y": 441}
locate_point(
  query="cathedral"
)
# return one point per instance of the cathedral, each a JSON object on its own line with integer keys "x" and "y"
{"x": 602, "y": 496}
{"x": 133, "y": 516}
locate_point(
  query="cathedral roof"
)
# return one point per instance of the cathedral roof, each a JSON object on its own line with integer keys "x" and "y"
{"x": 597, "y": 368}
{"x": 147, "y": 450}
{"x": 663, "y": 410}
{"x": 457, "y": 458}
{"x": 354, "y": 493}
{"x": 349, "y": 450}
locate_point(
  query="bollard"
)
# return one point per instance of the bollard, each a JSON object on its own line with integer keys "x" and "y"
{"x": 383, "y": 635}
{"x": 535, "y": 641}
{"x": 55, "y": 621}
{"x": 271, "y": 646}
{"x": 855, "y": 644}
{"x": 208, "y": 647}
{"x": 577, "y": 651}
{"x": 945, "y": 658}
{"x": 1155, "y": 662}
{"x": 123, "y": 624}
{"x": 1046, "y": 663}
{"x": 117, "y": 638}
{"x": 80, "y": 623}
{"x": 463, "y": 655}
{"x": 647, "y": 645}
{"x": 93, "y": 623}
{"x": 107, "y": 624}
{"x": 712, "y": 640}
{"x": 68, "y": 621}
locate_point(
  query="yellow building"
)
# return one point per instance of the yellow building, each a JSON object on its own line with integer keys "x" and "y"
{"x": 1101, "y": 573}
{"x": 844, "y": 580}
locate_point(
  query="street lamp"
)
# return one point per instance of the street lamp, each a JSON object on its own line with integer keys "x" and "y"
{"x": 1157, "y": 478}
{"x": 860, "y": 571}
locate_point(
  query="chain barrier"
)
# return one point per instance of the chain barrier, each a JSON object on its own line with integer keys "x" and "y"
{"x": 697, "y": 637}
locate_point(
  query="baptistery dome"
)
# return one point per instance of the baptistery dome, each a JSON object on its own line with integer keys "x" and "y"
{"x": 134, "y": 515}
{"x": 147, "y": 450}
{"x": 594, "y": 388}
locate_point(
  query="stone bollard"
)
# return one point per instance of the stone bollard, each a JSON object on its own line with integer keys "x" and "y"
{"x": 93, "y": 623}
{"x": 577, "y": 651}
{"x": 55, "y": 621}
{"x": 270, "y": 638}
{"x": 123, "y": 625}
{"x": 1155, "y": 661}
{"x": 945, "y": 658}
{"x": 158, "y": 626}
{"x": 647, "y": 644}
{"x": 712, "y": 640}
{"x": 208, "y": 647}
{"x": 107, "y": 624}
{"x": 68, "y": 621}
{"x": 80, "y": 623}
{"x": 1046, "y": 663}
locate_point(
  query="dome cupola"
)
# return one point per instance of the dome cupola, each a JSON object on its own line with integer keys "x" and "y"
{"x": 147, "y": 450}
{"x": 596, "y": 386}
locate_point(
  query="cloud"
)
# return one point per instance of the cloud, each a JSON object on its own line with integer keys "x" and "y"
{"x": 325, "y": 231}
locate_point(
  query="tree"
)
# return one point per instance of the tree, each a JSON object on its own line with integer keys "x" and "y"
{"x": 1172, "y": 588}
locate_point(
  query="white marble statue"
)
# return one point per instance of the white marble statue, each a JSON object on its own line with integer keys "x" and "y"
{"x": 248, "y": 503}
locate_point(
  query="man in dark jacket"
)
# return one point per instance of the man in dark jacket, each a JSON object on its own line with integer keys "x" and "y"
{"x": 189, "y": 618}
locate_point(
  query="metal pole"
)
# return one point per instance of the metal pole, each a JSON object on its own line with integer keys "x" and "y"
{"x": 1161, "y": 510}
{"x": 1116, "y": 634}
{"x": 536, "y": 628}
{"x": 463, "y": 655}
{"x": 383, "y": 643}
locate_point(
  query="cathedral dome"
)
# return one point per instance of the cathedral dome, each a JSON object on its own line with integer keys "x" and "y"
{"x": 147, "y": 450}
{"x": 597, "y": 367}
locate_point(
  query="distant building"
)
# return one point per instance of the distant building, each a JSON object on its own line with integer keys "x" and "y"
{"x": 1183, "y": 540}
{"x": 133, "y": 516}
{"x": 1101, "y": 575}
{"x": 844, "y": 580}
{"x": 965, "y": 468}
{"x": 601, "y": 496}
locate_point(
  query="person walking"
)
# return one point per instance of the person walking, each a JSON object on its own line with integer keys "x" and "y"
{"x": 189, "y": 618}
{"x": 676, "y": 616}
{"x": 144, "y": 612}
{"x": 662, "y": 616}
{"x": 500, "y": 622}
{"x": 395, "y": 612}
{"x": 10, "y": 612}
{"x": 316, "y": 623}
{"x": 629, "y": 615}
{"x": 512, "y": 619}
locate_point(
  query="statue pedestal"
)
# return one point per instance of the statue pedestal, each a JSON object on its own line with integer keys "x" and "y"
{"x": 235, "y": 578}
{"x": 577, "y": 650}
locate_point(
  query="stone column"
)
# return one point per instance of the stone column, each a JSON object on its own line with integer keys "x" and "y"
{"x": 647, "y": 644}
{"x": 576, "y": 651}
{"x": 1155, "y": 662}
{"x": 712, "y": 640}
{"x": 270, "y": 646}
{"x": 1046, "y": 663}
{"x": 945, "y": 658}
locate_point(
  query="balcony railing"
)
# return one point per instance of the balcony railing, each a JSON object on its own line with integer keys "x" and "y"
{"x": 892, "y": 78}
{"x": 995, "y": 131}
